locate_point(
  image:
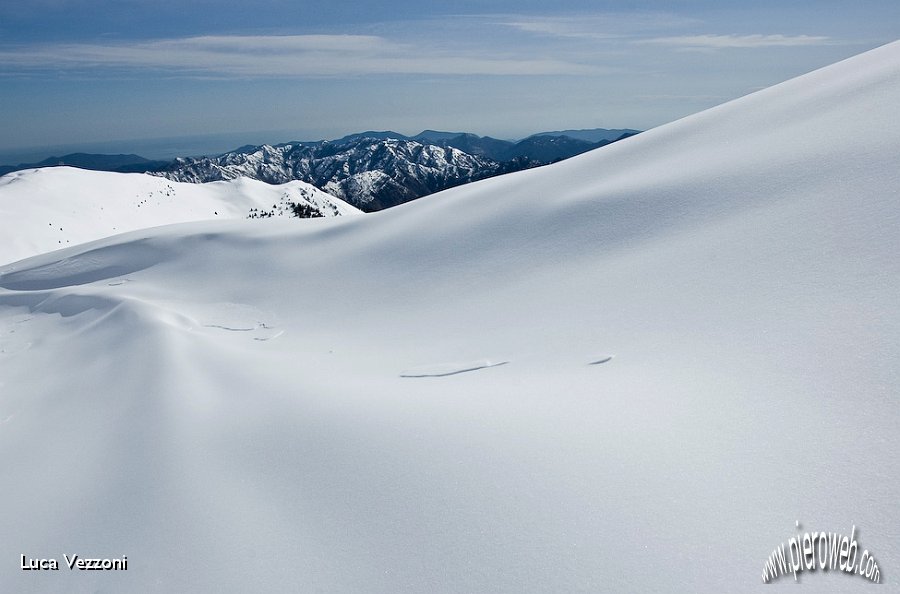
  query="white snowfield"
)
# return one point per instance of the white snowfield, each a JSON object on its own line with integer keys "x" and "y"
{"x": 320, "y": 406}
{"x": 57, "y": 207}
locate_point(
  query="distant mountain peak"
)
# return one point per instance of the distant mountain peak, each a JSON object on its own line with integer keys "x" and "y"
{"x": 433, "y": 135}
{"x": 592, "y": 134}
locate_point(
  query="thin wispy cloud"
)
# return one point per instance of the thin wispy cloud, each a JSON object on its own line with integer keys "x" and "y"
{"x": 560, "y": 28}
{"x": 596, "y": 26}
{"x": 680, "y": 97}
{"x": 282, "y": 56}
{"x": 738, "y": 41}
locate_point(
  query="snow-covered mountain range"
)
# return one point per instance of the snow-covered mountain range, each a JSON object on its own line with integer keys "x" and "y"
{"x": 55, "y": 207}
{"x": 370, "y": 173}
{"x": 372, "y": 170}
{"x": 636, "y": 370}
{"x": 377, "y": 170}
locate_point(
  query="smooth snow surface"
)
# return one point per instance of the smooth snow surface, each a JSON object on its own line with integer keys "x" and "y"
{"x": 223, "y": 403}
{"x": 58, "y": 207}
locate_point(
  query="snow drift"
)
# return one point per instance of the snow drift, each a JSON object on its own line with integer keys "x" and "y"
{"x": 410, "y": 400}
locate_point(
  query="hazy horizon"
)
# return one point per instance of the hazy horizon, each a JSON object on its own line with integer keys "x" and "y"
{"x": 79, "y": 73}
{"x": 164, "y": 148}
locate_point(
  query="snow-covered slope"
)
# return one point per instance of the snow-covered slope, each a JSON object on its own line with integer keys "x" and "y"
{"x": 49, "y": 208}
{"x": 414, "y": 400}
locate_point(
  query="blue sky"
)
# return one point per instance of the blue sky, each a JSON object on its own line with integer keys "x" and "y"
{"x": 84, "y": 73}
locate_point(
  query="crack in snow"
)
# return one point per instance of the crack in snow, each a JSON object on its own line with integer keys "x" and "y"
{"x": 445, "y": 369}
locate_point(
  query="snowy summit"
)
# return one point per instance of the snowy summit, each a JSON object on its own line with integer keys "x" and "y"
{"x": 57, "y": 207}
